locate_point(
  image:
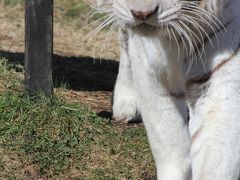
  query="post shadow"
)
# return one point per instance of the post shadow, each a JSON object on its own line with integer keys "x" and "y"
{"x": 77, "y": 73}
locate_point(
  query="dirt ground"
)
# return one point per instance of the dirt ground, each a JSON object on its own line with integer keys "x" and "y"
{"x": 88, "y": 69}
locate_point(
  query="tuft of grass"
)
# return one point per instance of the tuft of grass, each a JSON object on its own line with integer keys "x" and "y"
{"x": 11, "y": 76}
{"x": 56, "y": 139}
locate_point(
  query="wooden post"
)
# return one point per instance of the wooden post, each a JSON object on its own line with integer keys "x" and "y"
{"x": 38, "y": 46}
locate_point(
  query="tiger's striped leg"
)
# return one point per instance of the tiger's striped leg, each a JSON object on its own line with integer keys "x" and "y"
{"x": 215, "y": 126}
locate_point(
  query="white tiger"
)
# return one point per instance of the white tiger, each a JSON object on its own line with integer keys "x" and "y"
{"x": 181, "y": 59}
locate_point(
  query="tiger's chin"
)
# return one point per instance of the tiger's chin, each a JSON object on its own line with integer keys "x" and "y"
{"x": 155, "y": 29}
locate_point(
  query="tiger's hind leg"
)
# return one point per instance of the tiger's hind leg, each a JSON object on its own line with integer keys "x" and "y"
{"x": 125, "y": 100}
{"x": 215, "y": 127}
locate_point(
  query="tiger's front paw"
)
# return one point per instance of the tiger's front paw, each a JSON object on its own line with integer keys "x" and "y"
{"x": 125, "y": 107}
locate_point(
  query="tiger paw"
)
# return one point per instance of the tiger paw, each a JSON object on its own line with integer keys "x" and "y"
{"x": 125, "y": 107}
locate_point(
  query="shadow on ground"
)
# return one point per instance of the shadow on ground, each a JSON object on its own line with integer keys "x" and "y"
{"x": 78, "y": 73}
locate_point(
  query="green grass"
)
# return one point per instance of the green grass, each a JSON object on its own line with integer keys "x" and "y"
{"x": 62, "y": 140}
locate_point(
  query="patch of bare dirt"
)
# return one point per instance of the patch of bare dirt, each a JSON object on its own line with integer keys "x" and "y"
{"x": 14, "y": 165}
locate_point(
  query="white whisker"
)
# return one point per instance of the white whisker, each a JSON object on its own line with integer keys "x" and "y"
{"x": 104, "y": 24}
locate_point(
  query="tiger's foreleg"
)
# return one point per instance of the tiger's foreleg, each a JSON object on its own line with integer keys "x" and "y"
{"x": 163, "y": 106}
{"x": 125, "y": 99}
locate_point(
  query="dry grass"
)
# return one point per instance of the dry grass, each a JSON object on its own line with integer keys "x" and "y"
{"x": 68, "y": 31}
